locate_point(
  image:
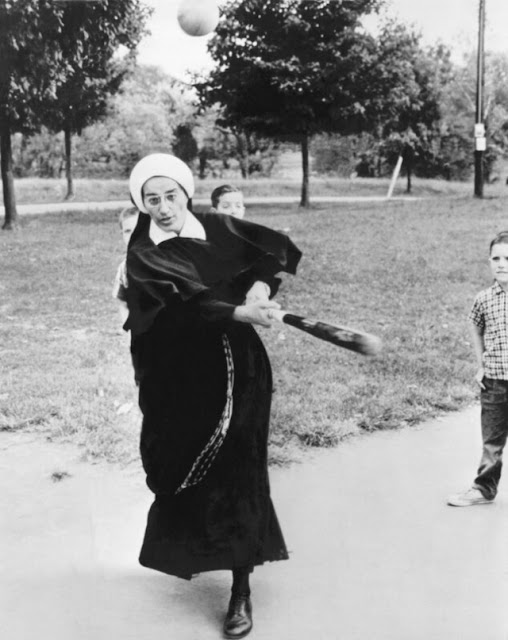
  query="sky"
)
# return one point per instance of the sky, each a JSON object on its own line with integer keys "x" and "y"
{"x": 454, "y": 22}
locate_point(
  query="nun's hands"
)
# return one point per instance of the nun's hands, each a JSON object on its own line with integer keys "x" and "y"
{"x": 259, "y": 292}
{"x": 256, "y": 312}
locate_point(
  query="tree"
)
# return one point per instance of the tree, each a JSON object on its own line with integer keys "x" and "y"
{"x": 30, "y": 72}
{"x": 459, "y": 110}
{"x": 344, "y": 155}
{"x": 185, "y": 146}
{"x": 39, "y": 154}
{"x": 90, "y": 40}
{"x": 403, "y": 88}
{"x": 288, "y": 69}
{"x": 399, "y": 93}
{"x": 222, "y": 149}
{"x": 142, "y": 118}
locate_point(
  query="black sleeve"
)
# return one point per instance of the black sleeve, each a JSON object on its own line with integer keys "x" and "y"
{"x": 210, "y": 279}
{"x": 245, "y": 281}
{"x": 210, "y": 309}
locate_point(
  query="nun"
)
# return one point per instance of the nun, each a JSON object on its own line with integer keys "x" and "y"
{"x": 197, "y": 283}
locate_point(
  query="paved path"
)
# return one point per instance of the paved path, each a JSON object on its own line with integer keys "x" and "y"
{"x": 120, "y": 204}
{"x": 376, "y": 553}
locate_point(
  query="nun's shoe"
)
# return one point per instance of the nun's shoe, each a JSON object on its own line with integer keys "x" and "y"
{"x": 238, "y": 622}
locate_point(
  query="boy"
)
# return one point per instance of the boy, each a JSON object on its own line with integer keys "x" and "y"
{"x": 229, "y": 200}
{"x": 127, "y": 219}
{"x": 489, "y": 332}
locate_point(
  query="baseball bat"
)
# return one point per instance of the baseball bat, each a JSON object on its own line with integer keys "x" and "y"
{"x": 358, "y": 341}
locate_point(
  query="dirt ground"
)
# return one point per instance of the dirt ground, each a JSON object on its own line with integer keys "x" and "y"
{"x": 375, "y": 551}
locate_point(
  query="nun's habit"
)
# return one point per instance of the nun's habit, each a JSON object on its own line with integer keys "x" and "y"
{"x": 205, "y": 383}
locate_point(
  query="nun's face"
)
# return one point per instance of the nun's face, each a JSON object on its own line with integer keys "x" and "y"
{"x": 166, "y": 202}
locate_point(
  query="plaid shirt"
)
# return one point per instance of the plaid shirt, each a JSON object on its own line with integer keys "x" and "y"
{"x": 490, "y": 314}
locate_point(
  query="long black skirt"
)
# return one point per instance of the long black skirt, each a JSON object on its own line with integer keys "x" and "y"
{"x": 226, "y": 519}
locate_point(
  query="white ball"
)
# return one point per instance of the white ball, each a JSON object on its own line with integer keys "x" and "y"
{"x": 198, "y": 17}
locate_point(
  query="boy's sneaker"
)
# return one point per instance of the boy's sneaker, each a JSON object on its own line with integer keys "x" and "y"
{"x": 469, "y": 498}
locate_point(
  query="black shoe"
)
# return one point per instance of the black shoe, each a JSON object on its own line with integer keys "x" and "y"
{"x": 238, "y": 622}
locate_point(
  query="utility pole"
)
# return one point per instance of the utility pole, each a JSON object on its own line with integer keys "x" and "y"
{"x": 479, "y": 128}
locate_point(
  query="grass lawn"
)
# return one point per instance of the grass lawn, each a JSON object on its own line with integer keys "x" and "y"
{"x": 38, "y": 190}
{"x": 405, "y": 271}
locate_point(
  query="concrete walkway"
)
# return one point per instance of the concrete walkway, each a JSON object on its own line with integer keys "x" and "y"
{"x": 60, "y": 207}
{"x": 375, "y": 552}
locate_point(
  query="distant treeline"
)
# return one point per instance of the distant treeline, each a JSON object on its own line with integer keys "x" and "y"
{"x": 155, "y": 112}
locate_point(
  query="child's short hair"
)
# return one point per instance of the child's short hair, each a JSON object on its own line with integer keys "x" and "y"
{"x": 501, "y": 238}
{"x": 218, "y": 192}
{"x": 128, "y": 212}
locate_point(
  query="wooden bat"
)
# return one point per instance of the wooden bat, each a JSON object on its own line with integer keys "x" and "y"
{"x": 358, "y": 341}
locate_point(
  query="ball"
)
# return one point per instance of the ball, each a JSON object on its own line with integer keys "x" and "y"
{"x": 198, "y": 17}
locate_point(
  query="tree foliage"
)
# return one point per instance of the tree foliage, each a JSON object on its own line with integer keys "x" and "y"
{"x": 289, "y": 69}
{"x": 405, "y": 81}
{"x": 222, "y": 150}
{"x": 58, "y": 66}
{"x": 402, "y": 100}
{"x": 30, "y": 71}
{"x": 93, "y": 33}
{"x": 459, "y": 106}
{"x": 89, "y": 42}
{"x": 141, "y": 119}
{"x": 151, "y": 112}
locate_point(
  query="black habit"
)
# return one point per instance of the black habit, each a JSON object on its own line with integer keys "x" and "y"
{"x": 205, "y": 389}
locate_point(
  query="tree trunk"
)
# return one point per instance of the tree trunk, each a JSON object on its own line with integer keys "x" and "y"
{"x": 304, "y": 200}
{"x": 68, "y": 163}
{"x": 408, "y": 185}
{"x": 11, "y": 214}
{"x": 202, "y": 164}
{"x": 243, "y": 154}
{"x": 408, "y": 155}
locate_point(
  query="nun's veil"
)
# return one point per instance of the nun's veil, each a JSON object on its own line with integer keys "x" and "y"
{"x": 160, "y": 164}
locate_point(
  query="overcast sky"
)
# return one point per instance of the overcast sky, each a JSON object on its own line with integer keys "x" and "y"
{"x": 452, "y": 21}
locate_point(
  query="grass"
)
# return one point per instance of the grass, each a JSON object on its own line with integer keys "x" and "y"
{"x": 38, "y": 190}
{"x": 404, "y": 271}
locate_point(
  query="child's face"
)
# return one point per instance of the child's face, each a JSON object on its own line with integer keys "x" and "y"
{"x": 232, "y": 204}
{"x": 499, "y": 263}
{"x": 128, "y": 225}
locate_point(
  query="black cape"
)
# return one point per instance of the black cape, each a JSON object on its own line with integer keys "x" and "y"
{"x": 215, "y": 273}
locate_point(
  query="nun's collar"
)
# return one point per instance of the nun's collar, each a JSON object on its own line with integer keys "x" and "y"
{"x": 192, "y": 228}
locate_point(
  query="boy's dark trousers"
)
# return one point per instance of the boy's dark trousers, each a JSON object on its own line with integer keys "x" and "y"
{"x": 494, "y": 401}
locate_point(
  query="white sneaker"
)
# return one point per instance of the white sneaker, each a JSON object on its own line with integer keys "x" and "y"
{"x": 469, "y": 498}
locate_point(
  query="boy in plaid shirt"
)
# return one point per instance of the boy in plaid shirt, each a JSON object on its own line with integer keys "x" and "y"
{"x": 489, "y": 330}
